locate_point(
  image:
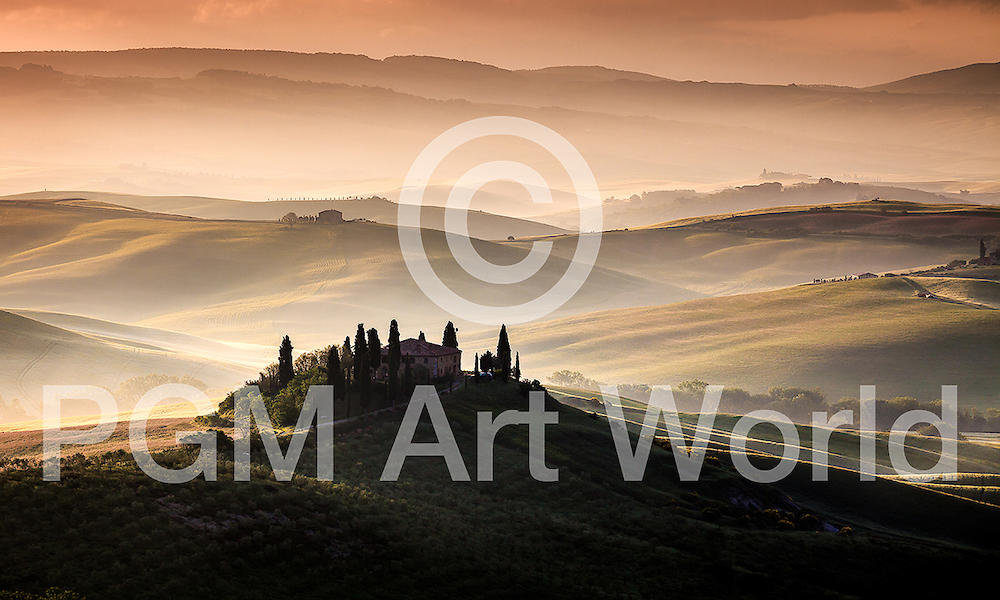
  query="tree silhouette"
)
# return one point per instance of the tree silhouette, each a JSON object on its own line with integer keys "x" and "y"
{"x": 374, "y": 350}
{"x": 487, "y": 362}
{"x": 362, "y": 373}
{"x": 517, "y": 367}
{"x": 346, "y": 359}
{"x": 503, "y": 353}
{"x": 450, "y": 338}
{"x": 394, "y": 357}
{"x": 286, "y": 369}
{"x": 335, "y": 375}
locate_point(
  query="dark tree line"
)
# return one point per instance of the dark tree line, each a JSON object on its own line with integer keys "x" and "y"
{"x": 352, "y": 369}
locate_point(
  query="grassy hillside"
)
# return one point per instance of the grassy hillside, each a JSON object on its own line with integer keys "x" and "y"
{"x": 833, "y": 336}
{"x": 253, "y": 281}
{"x": 35, "y": 354}
{"x": 427, "y": 535}
{"x": 659, "y": 208}
{"x": 481, "y": 224}
{"x": 980, "y": 78}
{"x": 873, "y": 217}
{"x": 729, "y": 254}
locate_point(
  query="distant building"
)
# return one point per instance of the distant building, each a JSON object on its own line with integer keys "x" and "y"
{"x": 864, "y": 276}
{"x": 440, "y": 361}
{"x": 330, "y": 217}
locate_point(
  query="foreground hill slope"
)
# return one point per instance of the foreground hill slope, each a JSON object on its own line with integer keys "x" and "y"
{"x": 833, "y": 336}
{"x": 425, "y": 535}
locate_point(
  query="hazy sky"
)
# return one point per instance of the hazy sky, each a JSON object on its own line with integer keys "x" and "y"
{"x": 857, "y": 42}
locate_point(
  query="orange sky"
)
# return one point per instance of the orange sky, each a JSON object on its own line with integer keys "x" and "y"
{"x": 858, "y": 42}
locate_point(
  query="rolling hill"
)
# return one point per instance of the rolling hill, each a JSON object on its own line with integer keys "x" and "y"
{"x": 249, "y": 281}
{"x": 330, "y": 125}
{"x": 718, "y": 537}
{"x": 36, "y": 354}
{"x": 662, "y": 206}
{"x": 482, "y": 225}
{"x": 980, "y": 78}
{"x": 833, "y": 337}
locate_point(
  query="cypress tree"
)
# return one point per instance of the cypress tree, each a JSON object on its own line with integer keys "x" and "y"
{"x": 362, "y": 375}
{"x": 346, "y": 359}
{"x": 395, "y": 355}
{"x": 517, "y": 367}
{"x": 286, "y": 370}
{"x": 374, "y": 349}
{"x": 477, "y": 363}
{"x": 335, "y": 376}
{"x": 450, "y": 339}
{"x": 503, "y": 353}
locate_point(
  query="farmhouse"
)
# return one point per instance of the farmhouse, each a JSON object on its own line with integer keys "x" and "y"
{"x": 331, "y": 216}
{"x": 440, "y": 361}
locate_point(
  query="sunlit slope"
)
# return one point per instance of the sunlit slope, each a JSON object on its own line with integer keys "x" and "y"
{"x": 831, "y": 336}
{"x": 248, "y": 355}
{"x": 979, "y": 78}
{"x": 35, "y": 354}
{"x": 773, "y": 248}
{"x": 255, "y": 281}
{"x": 966, "y": 290}
{"x": 873, "y": 217}
{"x": 482, "y": 225}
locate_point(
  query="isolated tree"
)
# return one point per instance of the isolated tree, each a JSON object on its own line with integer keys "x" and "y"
{"x": 450, "y": 338}
{"x": 517, "y": 367}
{"x": 286, "y": 369}
{"x": 395, "y": 354}
{"x": 346, "y": 359}
{"x": 335, "y": 375}
{"x": 503, "y": 354}
{"x": 362, "y": 374}
{"x": 374, "y": 350}
{"x": 477, "y": 364}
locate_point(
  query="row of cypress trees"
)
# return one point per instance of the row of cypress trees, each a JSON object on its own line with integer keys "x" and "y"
{"x": 350, "y": 369}
{"x": 352, "y": 366}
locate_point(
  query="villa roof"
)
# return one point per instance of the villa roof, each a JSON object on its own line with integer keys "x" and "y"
{"x": 415, "y": 347}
